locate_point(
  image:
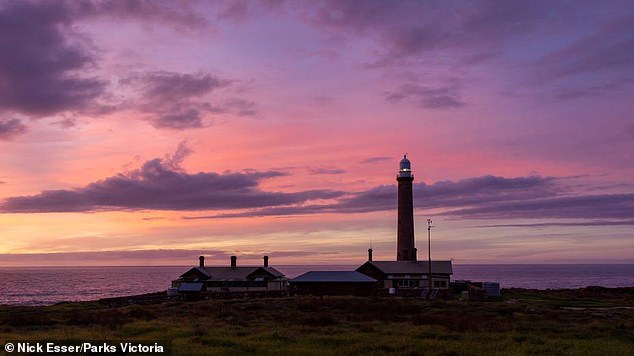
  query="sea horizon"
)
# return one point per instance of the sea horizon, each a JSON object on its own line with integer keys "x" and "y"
{"x": 329, "y": 264}
{"x": 37, "y": 285}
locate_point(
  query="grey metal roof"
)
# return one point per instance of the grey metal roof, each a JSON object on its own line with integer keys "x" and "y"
{"x": 190, "y": 287}
{"x": 333, "y": 276}
{"x": 412, "y": 267}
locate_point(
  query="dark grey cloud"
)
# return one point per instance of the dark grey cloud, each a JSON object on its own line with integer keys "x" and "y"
{"x": 487, "y": 197}
{"x": 40, "y": 57}
{"x": 239, "y": 11}
{"x": 236, "y": 106}
{"x": 66, "y": 123}
{"x": 46, "y": 65}
{"x": 178, "y": 118}
{"x": 608, "y": 49}
{"x": 159, "y": 185}
{"x": 180, "y": 100}
{"x": 605, "y": 56}
{"x": 449, "y": 194}
{"x": 272, "y": 211}
{"x": 376, "y": 159}
{"x": 592, "y": 39}
{"x": 290, "y": 170}
{"x": 235, "y": 11}
{"x": 580, "y": 91}
{"x": 326, "y": 170}
{"x": 440, "y": 195}
{"x": 576, "y": 223}
{"x": 411, "y": 28}
{"x": 181, "y": 14}
{"x": 605, "y": 206}
{"x": 9, "y": 128}
{"x": 162, "y": 85}
{"x": 427, "y": 97}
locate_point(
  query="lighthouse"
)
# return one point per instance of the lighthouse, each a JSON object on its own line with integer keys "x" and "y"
{"x": 406, "y": 273}
{"x": 405, "y": 250}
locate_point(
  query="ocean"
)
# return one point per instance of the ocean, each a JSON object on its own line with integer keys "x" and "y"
{"x": 50, "y": 285}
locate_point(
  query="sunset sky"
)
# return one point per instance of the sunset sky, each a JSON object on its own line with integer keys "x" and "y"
{"x": 136, "y": 132}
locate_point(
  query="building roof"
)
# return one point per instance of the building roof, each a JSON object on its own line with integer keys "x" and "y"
{"x": 203, "y": 271}
{"x": 273, "y": 271}
{"x": 411, "y": 267}
{"x": 234, "y": 274}
{"x": 333, "y": 276}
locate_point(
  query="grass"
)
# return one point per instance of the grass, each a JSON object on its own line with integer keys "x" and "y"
{"x": 591, "y": 321}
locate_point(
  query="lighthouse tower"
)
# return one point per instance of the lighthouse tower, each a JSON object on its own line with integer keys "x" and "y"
{"x": 405, "y": 250}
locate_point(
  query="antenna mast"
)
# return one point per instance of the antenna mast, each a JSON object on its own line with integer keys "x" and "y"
{"x": 429, "y": 253}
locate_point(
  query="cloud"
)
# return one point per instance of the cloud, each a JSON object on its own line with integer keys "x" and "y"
{"x": 440, "y": 195}
{"x": 178, "y": 118}
{"x": 411, "y": 28}
{"x": 9, "y": 128}
{"x": 45, "y": 63}
{"x": 581, "y": 50}
{"x": 182, "y": 151}
{"x": 236, "y": 106}
{"x": 609, "y": 49}
{"x": 178, "y": 14}
{"x": 239, "y": 11}
{"x": 606, "y": 206}
{"x": 603, "y": 60}
{"x": 236, "y": 11}
{"x": 581, "y": 91}
{"x": 162, "y": 85}
{"x": 576, "y": 223}
{"x": 41, "y": 58}
{"x": 487, "y": 197}
{"x": 180, "y": 100}
{"x": 447, "y": 194}
{"x": 326, "y": 170}
{"x": 376, "y": 159}
{"x": 427, "y": 97}
{"x": 327, "y": 54}
{"x": 161, "y": 185}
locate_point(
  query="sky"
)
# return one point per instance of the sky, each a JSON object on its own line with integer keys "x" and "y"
{"x": 151, "y": 132}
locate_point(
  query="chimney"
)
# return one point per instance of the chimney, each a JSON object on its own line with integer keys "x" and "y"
{"x": 266, "y": 261}
{"x": 369, "y": 254}
{"x": 201, "y": 261}
{"x": 233, "y": 261}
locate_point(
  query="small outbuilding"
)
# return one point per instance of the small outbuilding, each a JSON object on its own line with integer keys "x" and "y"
{"x": 333, "y": 283}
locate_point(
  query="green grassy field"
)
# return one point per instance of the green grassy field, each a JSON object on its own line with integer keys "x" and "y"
{"x": 592, "y": 321}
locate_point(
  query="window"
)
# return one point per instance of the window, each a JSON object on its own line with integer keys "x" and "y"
{"x": 440, "y": 284}
{"x": 407, "y": 283}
